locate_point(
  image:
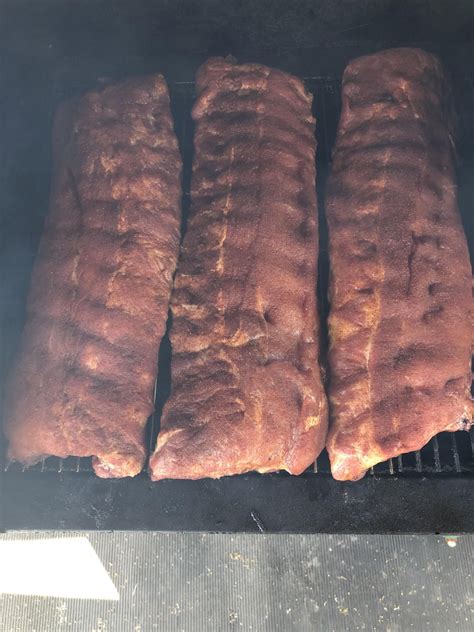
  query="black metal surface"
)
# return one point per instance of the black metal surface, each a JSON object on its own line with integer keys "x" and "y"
{"x": 250, "y": 503}
{"x": 50, "y": 62}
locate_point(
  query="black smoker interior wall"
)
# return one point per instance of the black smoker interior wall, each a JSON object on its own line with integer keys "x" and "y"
{"x": 51, "y": 50}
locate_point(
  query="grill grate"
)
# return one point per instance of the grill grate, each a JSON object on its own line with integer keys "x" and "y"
{"x": 448, "y": 453}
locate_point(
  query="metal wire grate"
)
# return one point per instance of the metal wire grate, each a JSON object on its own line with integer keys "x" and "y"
{"x": 448, "y": 453}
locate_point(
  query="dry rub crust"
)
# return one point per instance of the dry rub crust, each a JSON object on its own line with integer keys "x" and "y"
{"x": 400, "y": 291}
{"x": 246, "y": 384}
{"x": 84, "y": 377}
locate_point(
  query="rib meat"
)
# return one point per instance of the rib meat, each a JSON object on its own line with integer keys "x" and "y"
{"x": 84, "y": 377}
{"x": 400, "y": 290}
{"x": 246, "y": 383}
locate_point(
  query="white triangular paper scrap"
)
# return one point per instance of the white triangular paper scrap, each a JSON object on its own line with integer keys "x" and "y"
{"x": 56, "y": 567}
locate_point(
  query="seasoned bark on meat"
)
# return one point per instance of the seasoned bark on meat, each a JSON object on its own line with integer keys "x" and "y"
{"x": 84, "y": 377}
{"x": 246, "y": 383}
{"x": 400, "y": 289}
